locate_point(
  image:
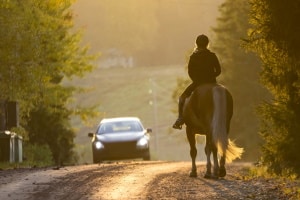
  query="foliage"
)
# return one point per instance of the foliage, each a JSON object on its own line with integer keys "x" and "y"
{"x": 37, "y": 44}
{"x": 20, "y": 131}
{"x": 289, "y": 183}
{"x": 51, "y": 126}
{"x": 37, "y": 155}
{"x": 240, "y": 73}
{"x": 275, "y": 38}
{"x": 39, "y": 49}
{"x": 34, "y": 155}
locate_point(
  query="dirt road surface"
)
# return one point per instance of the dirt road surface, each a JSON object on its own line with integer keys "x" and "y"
{"x": 134, "y": 180}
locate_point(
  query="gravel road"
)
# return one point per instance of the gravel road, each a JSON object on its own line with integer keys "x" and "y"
{"x": 135, "y": 180}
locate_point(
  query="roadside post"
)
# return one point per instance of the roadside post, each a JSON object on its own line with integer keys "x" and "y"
{"x": 11, "y": 149}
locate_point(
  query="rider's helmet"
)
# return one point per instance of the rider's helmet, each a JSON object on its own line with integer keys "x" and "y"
{"x": 202, "y": 41}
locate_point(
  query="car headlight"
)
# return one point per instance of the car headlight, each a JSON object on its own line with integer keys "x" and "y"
{"x": 99, "y": 145}
{"x": 142, "y": 143}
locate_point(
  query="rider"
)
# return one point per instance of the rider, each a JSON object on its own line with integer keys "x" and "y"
{"x": 203, "y": 67}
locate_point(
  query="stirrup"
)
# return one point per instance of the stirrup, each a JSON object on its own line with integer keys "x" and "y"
{"x": 178, "y": 124}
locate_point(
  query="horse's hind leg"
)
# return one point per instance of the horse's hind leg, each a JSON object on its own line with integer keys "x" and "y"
{"x": 208, "y": 163}
{"x": 211, "y": 148}
{"x": 193, "y": 150}
{"x": 216, "y": 162}
{"x": 208, "y": 153}
{"x": 222, "y": 170}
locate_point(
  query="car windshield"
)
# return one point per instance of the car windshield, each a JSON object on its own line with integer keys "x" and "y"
{"x": 120, "y": 126}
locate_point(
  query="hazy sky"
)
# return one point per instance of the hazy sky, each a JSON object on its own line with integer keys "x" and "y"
{"x": 153, "y": 32}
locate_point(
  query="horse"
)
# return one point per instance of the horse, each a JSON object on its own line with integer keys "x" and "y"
{"x": 208, "y": 111}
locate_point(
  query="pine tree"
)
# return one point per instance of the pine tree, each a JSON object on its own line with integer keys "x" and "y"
{"x": 275, "y": 38}
{"x": 240, "y": 73}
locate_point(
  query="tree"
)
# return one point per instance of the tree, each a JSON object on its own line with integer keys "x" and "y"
{"x": 240, "y": 73}
{"x": 37, "y": 44}
{"x": 275, "y": 38}
{"x": 39, "y": 50}
{"x": 51, "y": 127}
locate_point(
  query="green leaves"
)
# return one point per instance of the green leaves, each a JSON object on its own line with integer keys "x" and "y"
{"x": 240, "y": 73}
{"x": 39, "y": 49}
{"x": 38, "y": 44}
{"x": 275, "y": 38}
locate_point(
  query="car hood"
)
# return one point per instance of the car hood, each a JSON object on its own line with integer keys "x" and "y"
{"x": 120, "y": 137}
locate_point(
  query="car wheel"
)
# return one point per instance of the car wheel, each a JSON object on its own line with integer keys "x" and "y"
{"x": 147, "y": 156}
{"x": 96, "y": 159}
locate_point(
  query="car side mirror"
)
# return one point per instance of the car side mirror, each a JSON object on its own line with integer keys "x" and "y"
{"x": 91, "y": 134}
{"x": 149, "y": 130}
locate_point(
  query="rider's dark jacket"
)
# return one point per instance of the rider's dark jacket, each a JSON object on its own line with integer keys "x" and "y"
{"x": 203, "y": 67}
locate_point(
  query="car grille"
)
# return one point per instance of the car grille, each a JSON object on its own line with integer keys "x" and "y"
{"x": 120, "y": 148}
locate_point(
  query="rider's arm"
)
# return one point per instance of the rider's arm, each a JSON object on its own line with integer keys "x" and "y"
{"x": 192, "y": 69}
{"x": 217, "y": 66}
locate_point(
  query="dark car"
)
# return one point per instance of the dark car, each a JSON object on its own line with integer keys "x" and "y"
{"x": 120, "y": 138}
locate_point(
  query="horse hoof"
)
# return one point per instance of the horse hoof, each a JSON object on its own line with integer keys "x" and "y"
{"x": 214, "y": 177}
{"x": 193, "y": 174}
{"x": 222, "y": 172}
{"x": 211, "y": 176}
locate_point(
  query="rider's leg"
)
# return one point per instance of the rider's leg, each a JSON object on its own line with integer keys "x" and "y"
{"x": 179, "y": 122}
{"x": 187, "y": 92}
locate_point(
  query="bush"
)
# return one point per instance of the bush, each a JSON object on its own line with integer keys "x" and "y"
{"x": 50, "y": 126}
{"x": 37, "y": 155}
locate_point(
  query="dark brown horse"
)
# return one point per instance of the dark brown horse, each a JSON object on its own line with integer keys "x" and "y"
{"x": 208, "y": 111}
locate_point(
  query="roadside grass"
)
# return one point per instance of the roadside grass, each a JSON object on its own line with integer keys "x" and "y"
{"x": 24, "y": 164}
{"x": 8, "y": 165}
{"x": 289, "y": 183}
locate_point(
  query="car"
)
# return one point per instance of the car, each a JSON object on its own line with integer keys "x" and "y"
{"x": 120, "y": 138}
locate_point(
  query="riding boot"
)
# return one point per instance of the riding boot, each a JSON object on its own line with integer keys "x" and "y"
{"x": 179, "y": 122}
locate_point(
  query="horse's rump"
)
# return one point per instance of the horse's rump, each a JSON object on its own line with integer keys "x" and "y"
{"x": 198, "y": 108}
{"x": 208, "y": 111}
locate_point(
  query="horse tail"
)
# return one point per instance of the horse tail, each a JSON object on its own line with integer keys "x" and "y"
{"x": 219, "y": 126}
{"x": 233, "y": 152}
